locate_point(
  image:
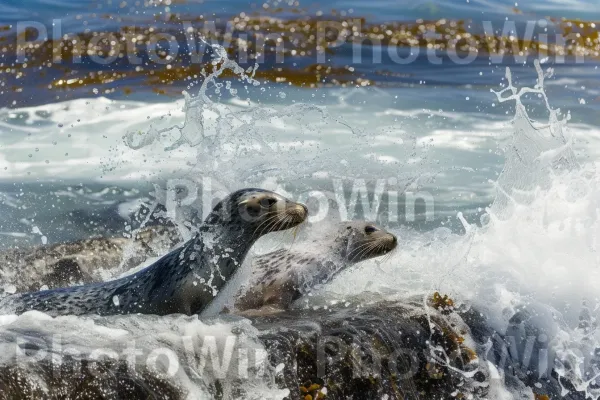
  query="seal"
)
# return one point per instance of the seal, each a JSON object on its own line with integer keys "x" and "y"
{"x": 281, "y": 277}
{"x": 187, "y": 279}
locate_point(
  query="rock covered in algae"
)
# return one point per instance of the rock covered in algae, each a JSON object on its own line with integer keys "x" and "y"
{"x": 387, "y": 350}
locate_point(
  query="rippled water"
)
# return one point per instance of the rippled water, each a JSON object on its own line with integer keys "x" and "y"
{"x": 14, "y": 10}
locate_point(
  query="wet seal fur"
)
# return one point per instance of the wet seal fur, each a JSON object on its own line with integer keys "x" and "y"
{"x": 283, "y": 276}
{"x": 187, "y": 279}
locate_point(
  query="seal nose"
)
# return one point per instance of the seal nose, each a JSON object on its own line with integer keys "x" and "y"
{"x": 300, "y": 210}
{"x": 297, "y": 211}
{"x": 304, "y": 208}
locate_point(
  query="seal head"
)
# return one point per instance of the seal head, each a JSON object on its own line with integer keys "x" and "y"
{"x": 360, "y": 240}
{"x": 251, "y": 213}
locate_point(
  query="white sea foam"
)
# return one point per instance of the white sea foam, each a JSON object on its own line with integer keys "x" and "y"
{"x": 189, "y": 353}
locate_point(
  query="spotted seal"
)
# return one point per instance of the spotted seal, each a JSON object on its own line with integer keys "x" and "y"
{"x": 280, "y": 277}
{"x": 185, "y": 280}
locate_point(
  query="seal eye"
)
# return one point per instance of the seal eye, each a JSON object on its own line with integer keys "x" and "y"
{"x": 370, "y": 229}
{"x": 268, "y": 202}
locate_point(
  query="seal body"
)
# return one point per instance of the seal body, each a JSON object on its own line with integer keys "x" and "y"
{"x": 283, "y": 276}
{"x": 185, "y": 280}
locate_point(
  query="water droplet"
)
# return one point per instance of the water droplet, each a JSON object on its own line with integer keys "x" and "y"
{"x": 484, "y": 219}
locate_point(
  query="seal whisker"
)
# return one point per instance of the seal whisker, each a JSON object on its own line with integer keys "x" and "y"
{"x": 271, "y": 215}
{"x": 294, "y": 233}
{"x": 274, "y": 225}
{"x": 389, "y": 255}
{"x": 277, "y": 224}
{"x": 380, "y": 249}
{"x": 354, "y": 252}
{"x": 286, "y": 223}
{"x": 370, "y": 250}
{"x": 287, "y": 219}
{"x": 366, "y": 249}
{"x": 373, "y": 249}
{"x": 387, "y": 258}
{"x": 267, "y": 222}
{"x": 361, "y": 245}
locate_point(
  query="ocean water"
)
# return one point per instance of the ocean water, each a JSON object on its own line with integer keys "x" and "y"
{"x": 14, "y": 10}
{"x": 494, "y": 199}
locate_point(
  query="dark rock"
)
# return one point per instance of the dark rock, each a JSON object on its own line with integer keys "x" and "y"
{"x": 104, "y": 380}
{"x": 399, "y": 350}
{"x": 525, "y": 353}
{"x": 402, "y": 351}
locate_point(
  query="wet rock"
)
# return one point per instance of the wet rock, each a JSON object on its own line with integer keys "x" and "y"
{"x": 64, "y": 273}
{"x": 382, "y": 351}
{"x": 525, "y": 354}
{"x": 107, "y": 381}
{"x": 390, "y": 351}
{"x": 85, "y": 261}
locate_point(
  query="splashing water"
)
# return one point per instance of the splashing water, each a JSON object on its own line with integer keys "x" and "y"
{"x": 239, "y": 144}
{"x": 536, "y": 153}
{"x": 187, "y": 355}
{"x": 536, "y": 248}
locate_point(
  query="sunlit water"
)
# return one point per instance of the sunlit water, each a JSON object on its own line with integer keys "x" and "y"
{"x": 15, "y": 10}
